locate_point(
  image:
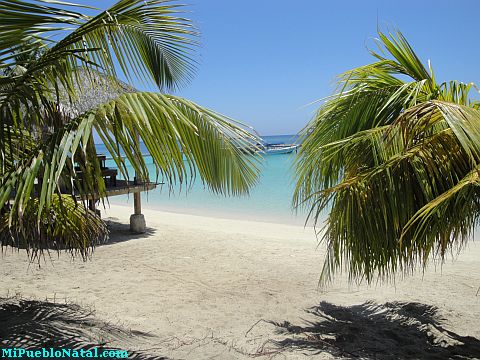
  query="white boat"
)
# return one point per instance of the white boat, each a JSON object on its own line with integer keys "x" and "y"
{"x": 281, "y": 148}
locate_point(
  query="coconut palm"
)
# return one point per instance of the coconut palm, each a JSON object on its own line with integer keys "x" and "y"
{"x": 51, "y": 53}
{"x": 390, "y": 165}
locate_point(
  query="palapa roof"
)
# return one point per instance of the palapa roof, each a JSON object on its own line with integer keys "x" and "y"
{"x": 93, "y": 88}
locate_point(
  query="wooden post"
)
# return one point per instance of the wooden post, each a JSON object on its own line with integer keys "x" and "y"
{"x": 137, "y": 199}
{"x": 137, "y": 203}
{"x": 92, "y": 207}
{"x": 91, "y": 204}
{"x": 137, "y": 220}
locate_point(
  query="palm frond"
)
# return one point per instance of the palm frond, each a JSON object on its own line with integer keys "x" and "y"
{"x": 445, "y": 223}
{"x": 148, "y": 39}
{"x": 66, "y": 225}
{"x": 48, "y": 169}
{"x": 182, "y": 138}
{"x": 49, "y": 55}
{"x": 383, "y": 157}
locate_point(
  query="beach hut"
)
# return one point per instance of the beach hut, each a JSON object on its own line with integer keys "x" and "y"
{"x": 95, "y": 89}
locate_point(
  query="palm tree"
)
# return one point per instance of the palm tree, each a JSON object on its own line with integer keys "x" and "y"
{"x": 47, "y": 50}
{"x": 391, "y": 162}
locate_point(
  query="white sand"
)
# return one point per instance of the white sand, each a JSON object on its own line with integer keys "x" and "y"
{"x": 198, "y": 284}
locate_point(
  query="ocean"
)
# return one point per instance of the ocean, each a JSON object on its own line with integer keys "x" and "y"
{"x": 270, "y": 200}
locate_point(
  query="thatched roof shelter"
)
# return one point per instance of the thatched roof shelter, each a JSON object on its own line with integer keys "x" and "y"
{"x": 93, "y": 89}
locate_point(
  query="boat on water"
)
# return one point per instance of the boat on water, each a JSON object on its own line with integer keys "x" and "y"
{"x": 281, "y": 148}
{"x": 263, "y": 147}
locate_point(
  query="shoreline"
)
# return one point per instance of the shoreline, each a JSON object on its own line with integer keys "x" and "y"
{"x": 215, "y": 213}
{"x": 211, "y": 222}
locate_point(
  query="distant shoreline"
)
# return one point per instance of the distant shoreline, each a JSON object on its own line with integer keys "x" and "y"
{"x": 212, "y": 213}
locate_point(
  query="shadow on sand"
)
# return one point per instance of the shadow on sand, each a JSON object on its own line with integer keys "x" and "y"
{"x": 120, "y": 232}
{"x": 371, "y": 331}
{"x": 34, "y": 325}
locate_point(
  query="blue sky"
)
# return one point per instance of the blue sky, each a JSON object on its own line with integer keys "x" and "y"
{"x": 263, "y": 61}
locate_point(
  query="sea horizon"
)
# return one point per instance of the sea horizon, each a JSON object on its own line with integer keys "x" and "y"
{"x": 270, "y": 200}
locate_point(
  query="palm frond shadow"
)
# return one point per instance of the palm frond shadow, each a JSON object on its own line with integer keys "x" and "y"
{"x": 31, "y": 324}
{"x": 117, "y": 232}
{"x": 120, "y": 232}
{"x": 394, "y": 330}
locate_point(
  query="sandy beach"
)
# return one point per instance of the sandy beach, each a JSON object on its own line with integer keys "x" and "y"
{"x": 199, "y": 287}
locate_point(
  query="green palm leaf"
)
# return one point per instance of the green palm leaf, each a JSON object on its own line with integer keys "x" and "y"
{"x": 46, "y": 133}
{"x": 173, "y": 130}
{"x": 388, "y": 159}
{"x": 66, "y": 225}
{"x": 147, "y": 39}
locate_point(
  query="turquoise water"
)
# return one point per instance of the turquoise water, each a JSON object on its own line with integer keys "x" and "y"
{"x": 270, "y": 200}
